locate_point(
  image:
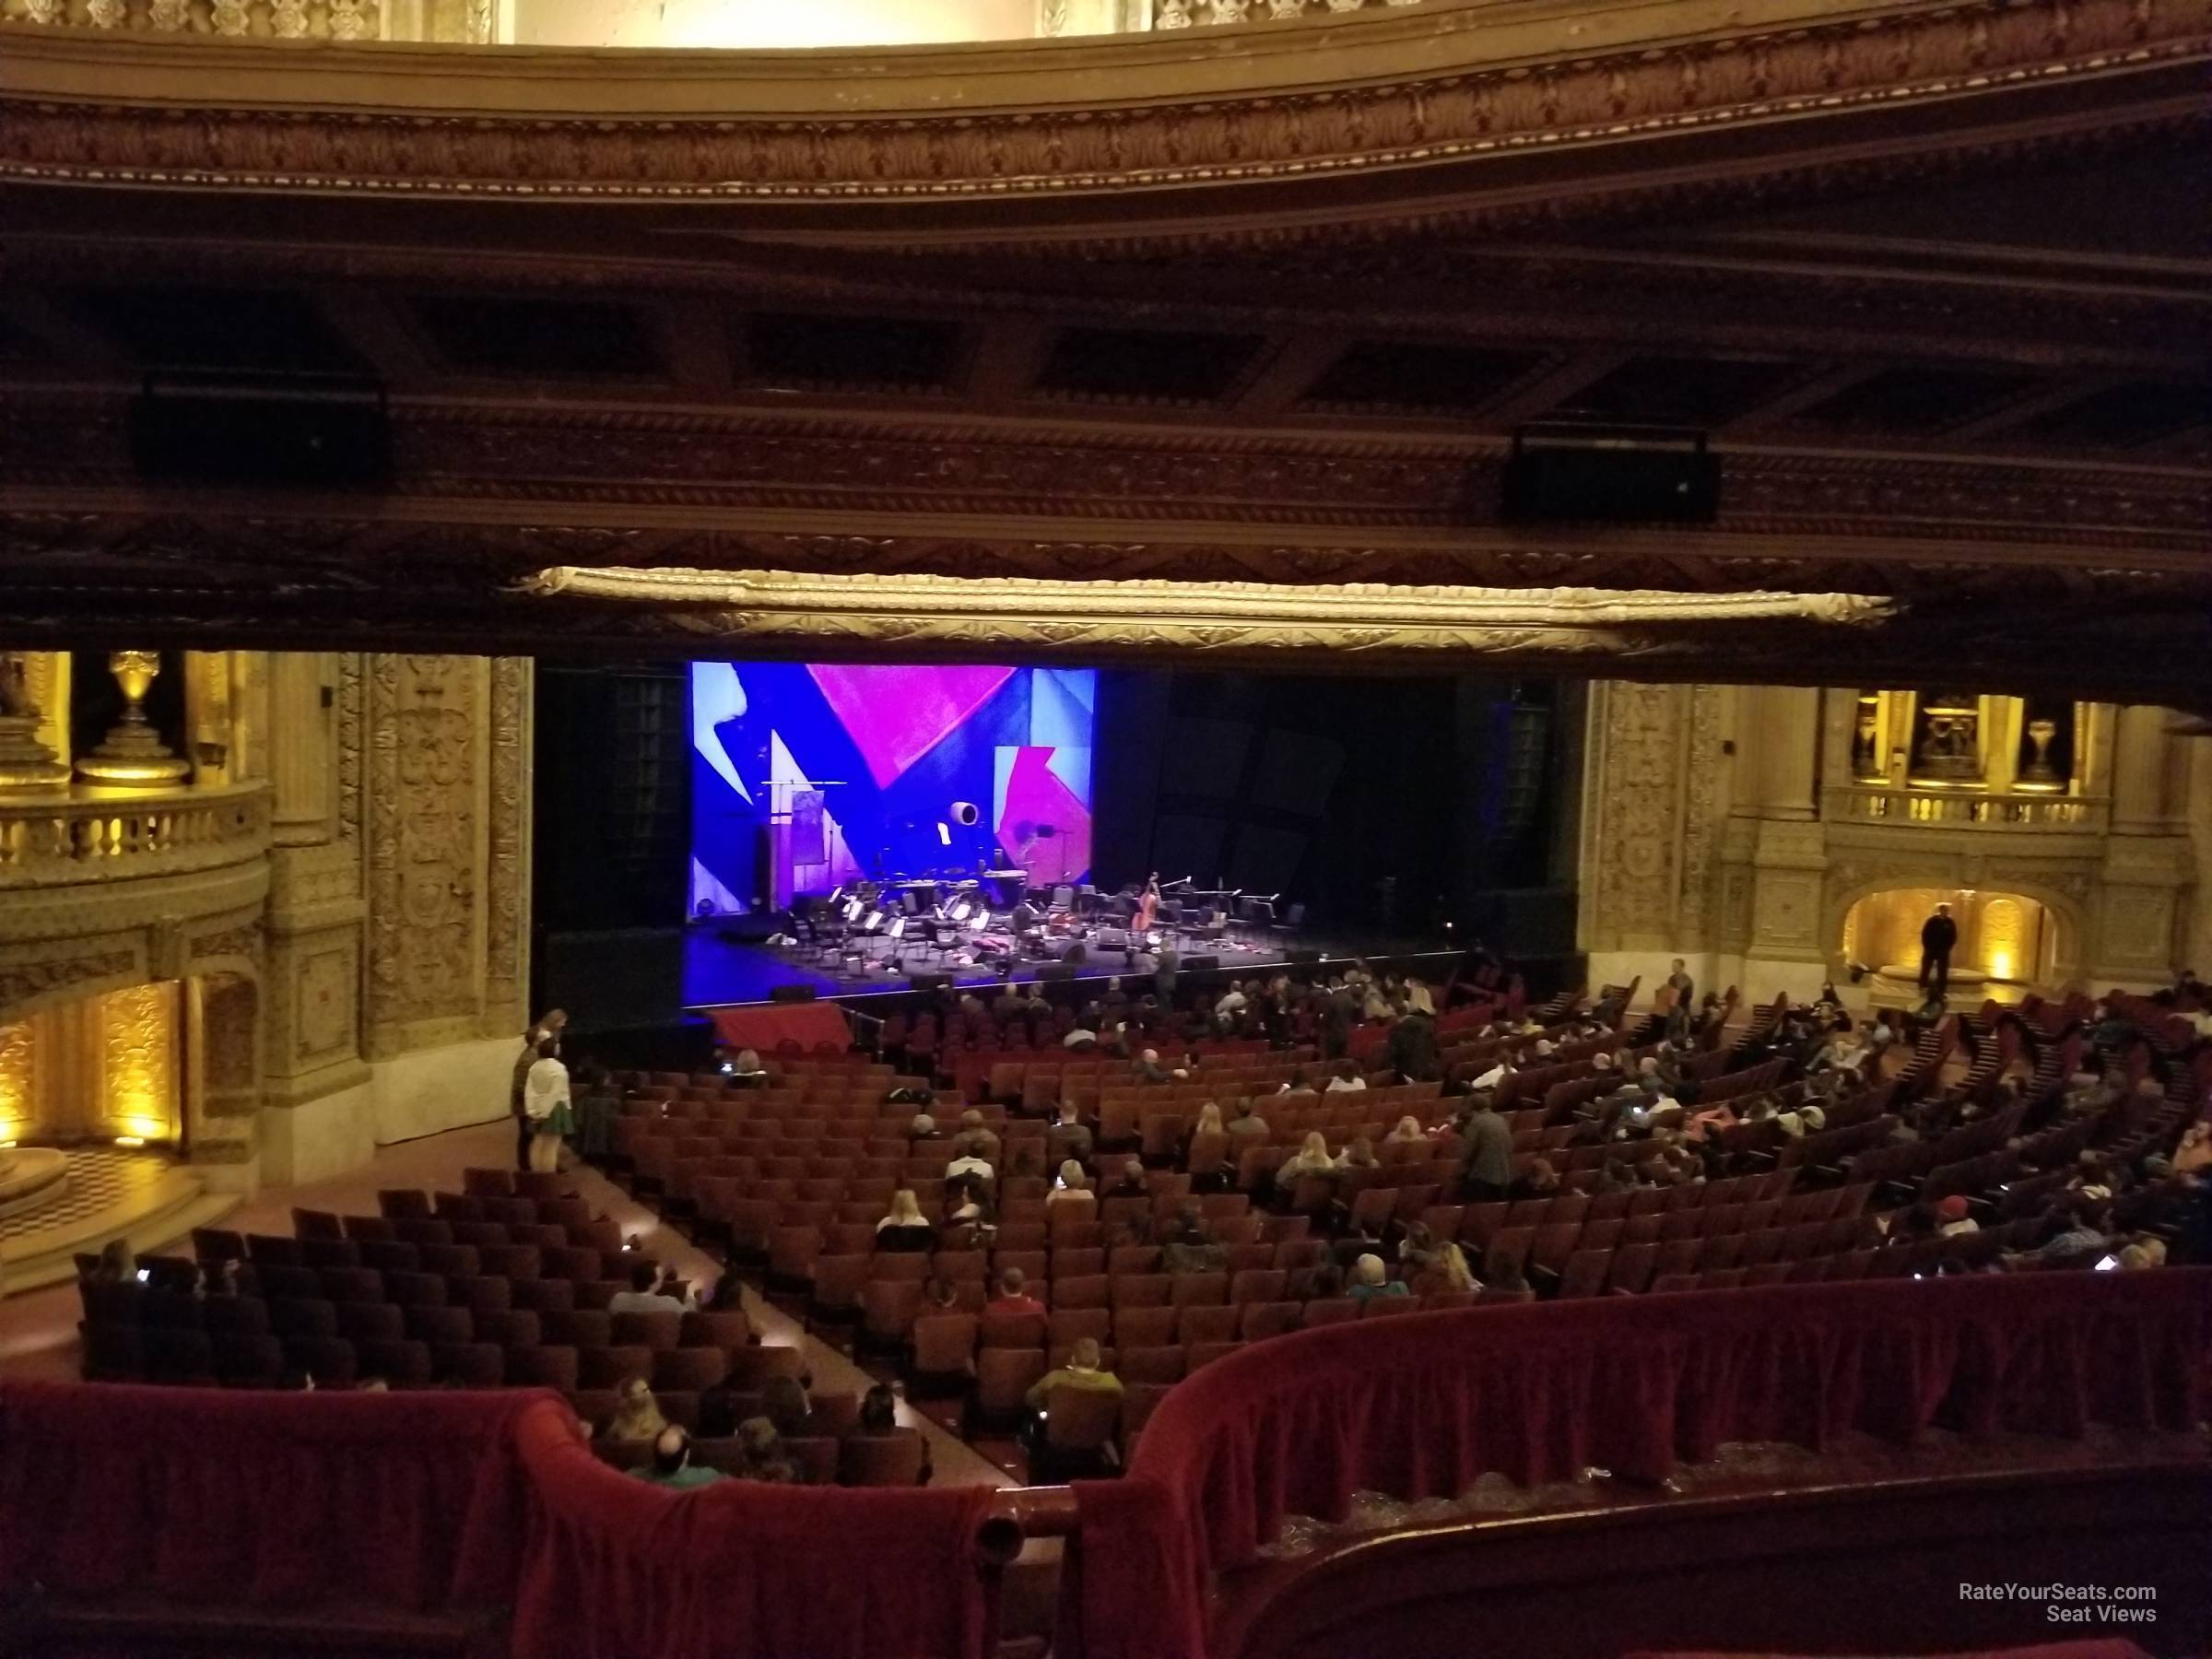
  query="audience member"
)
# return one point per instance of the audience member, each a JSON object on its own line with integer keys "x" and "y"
{"x": 783, "y": 1402}
{"x": 648, "y": 1291}
{"x": 761, "y": 1454}
{"x": 905, "y": 1228}
{"x": 974, "y": 1140}
{"x": 1071, "y": 1193}
{"x": 672, "y": 1465}
{"x": 1348, "y": 1079}
{"x": 1082, "y": 1371}
{"x": 1014, "y": 1295}
{"x": 1487, "y": 1170}
{"x": 1246, "y": 1127}
{"x": 1372, "y": 1278}
{"x": 636, "y": 1414}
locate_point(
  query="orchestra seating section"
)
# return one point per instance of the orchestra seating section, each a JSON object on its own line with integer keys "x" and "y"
{"x": 508, "y": 1282}
{"x": 790, "y": 1179}
{"x": 504, "y": 1284}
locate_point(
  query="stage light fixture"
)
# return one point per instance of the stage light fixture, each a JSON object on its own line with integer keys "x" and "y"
{"x": 966, "y": 814}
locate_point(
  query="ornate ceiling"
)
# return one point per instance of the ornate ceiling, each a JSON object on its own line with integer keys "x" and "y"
{"x": 1257, "y": 307}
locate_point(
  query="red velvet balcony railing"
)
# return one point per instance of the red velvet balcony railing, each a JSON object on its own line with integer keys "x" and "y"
{"x": 1418, "y": 1406}
{"x": 468, "y": 1503}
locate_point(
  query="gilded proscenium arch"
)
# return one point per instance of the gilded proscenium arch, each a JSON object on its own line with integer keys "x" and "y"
{"x": 1388, "y": 100}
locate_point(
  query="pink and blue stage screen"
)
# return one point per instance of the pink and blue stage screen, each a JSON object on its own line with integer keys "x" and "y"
{"x": 806, "y": 775}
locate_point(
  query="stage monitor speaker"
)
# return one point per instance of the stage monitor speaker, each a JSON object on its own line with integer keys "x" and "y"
{"x": 301, "y": 431}
{"x": 791, "y": 994}
{"x": 1058, "y": 972}
{"x": 615, "y": 979}
{"x": 929, "y": 982}
{"x": 1205, "y": 964}
{"x": 1617, "y": 474}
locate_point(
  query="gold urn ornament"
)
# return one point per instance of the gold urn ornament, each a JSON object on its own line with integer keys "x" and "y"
{"x": 133, "y": 755}
{"x": 26, "y": 765}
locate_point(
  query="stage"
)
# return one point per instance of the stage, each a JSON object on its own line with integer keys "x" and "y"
{"x": 721, "y": 973}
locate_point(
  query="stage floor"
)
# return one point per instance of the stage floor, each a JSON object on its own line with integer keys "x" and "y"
{"x": 720, "y": 973}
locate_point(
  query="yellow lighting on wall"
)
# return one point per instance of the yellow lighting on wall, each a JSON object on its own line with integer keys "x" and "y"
{"x": 138, "y": 1038}
{"x": 130, "y": 1140}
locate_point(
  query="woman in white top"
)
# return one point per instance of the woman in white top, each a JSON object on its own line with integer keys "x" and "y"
{"x": 546, "y": 1103}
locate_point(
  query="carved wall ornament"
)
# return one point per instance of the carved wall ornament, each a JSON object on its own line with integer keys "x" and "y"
{"x": 1071, "y": 616}
{"x": 244, "y": 940}
{"x": 1815, "y": 64}
{"x": 21, "y": 984}
{"x": 422, "y": 840}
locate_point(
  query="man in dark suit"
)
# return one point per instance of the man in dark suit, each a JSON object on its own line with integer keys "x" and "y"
{"x": 1937, "y": 935}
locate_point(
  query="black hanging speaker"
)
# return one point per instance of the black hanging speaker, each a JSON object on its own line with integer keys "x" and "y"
{"x": 298, "y": 432}
{"x": 1201, "y": 964}
{"x": 1569, "y": 471}
{"x": 928, "y": 981}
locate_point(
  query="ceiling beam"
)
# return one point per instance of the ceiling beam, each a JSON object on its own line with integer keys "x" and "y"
{"x": 1287, "y": 375}
{"x": 1553, "y": 386}
{"x": 372, "y": 326}
{"x": 2067, "y": 389}
{"x": 1799, "y": 398}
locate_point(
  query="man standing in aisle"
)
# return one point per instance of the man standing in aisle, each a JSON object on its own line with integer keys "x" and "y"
{"x": 1937, "y": 935}
{"x": 552, "y": 1025}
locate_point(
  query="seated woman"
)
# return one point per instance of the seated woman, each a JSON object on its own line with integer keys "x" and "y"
{"x": 1360, "y": 1155}
{"x": 878, "y": 1420}
{"x": 1370, "y": 1278}
{"x": 1071, "y": 1194}
{"x": 746, "y": 1071}
{"x": 1209, "y": 1123}
{"x": 637, "y": 1420}
{"x": 761, "y": 1454}
{"x": 1311, "y": 1159}
{"x": 1408, "y": 1128}
{"x": 905, "y": 1228}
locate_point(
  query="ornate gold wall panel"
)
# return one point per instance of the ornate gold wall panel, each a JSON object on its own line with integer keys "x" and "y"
{"x": 18, "y": 1080}
{"x": 446, "y": 844}
{"x": 139, "y": 1094}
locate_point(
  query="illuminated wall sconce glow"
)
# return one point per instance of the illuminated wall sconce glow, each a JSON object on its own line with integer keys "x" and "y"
{"x": 130, "y": 1140}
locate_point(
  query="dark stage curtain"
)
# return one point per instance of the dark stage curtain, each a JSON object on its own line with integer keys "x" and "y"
{"x": 1420, "y": 1406}
{"x": 270, "y": 1501}
{"x": 616, "y": 1568}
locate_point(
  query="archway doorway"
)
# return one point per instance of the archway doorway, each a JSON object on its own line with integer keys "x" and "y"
{"x": 2008, "y": 943}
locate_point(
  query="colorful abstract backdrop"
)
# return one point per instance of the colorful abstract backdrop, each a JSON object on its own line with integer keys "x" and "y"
{"x": 807, "y": 775}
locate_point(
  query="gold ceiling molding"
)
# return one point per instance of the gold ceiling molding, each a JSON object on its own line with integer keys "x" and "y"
{"x": 1001, "y": 123}
{"x": 1231, "y": 616}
